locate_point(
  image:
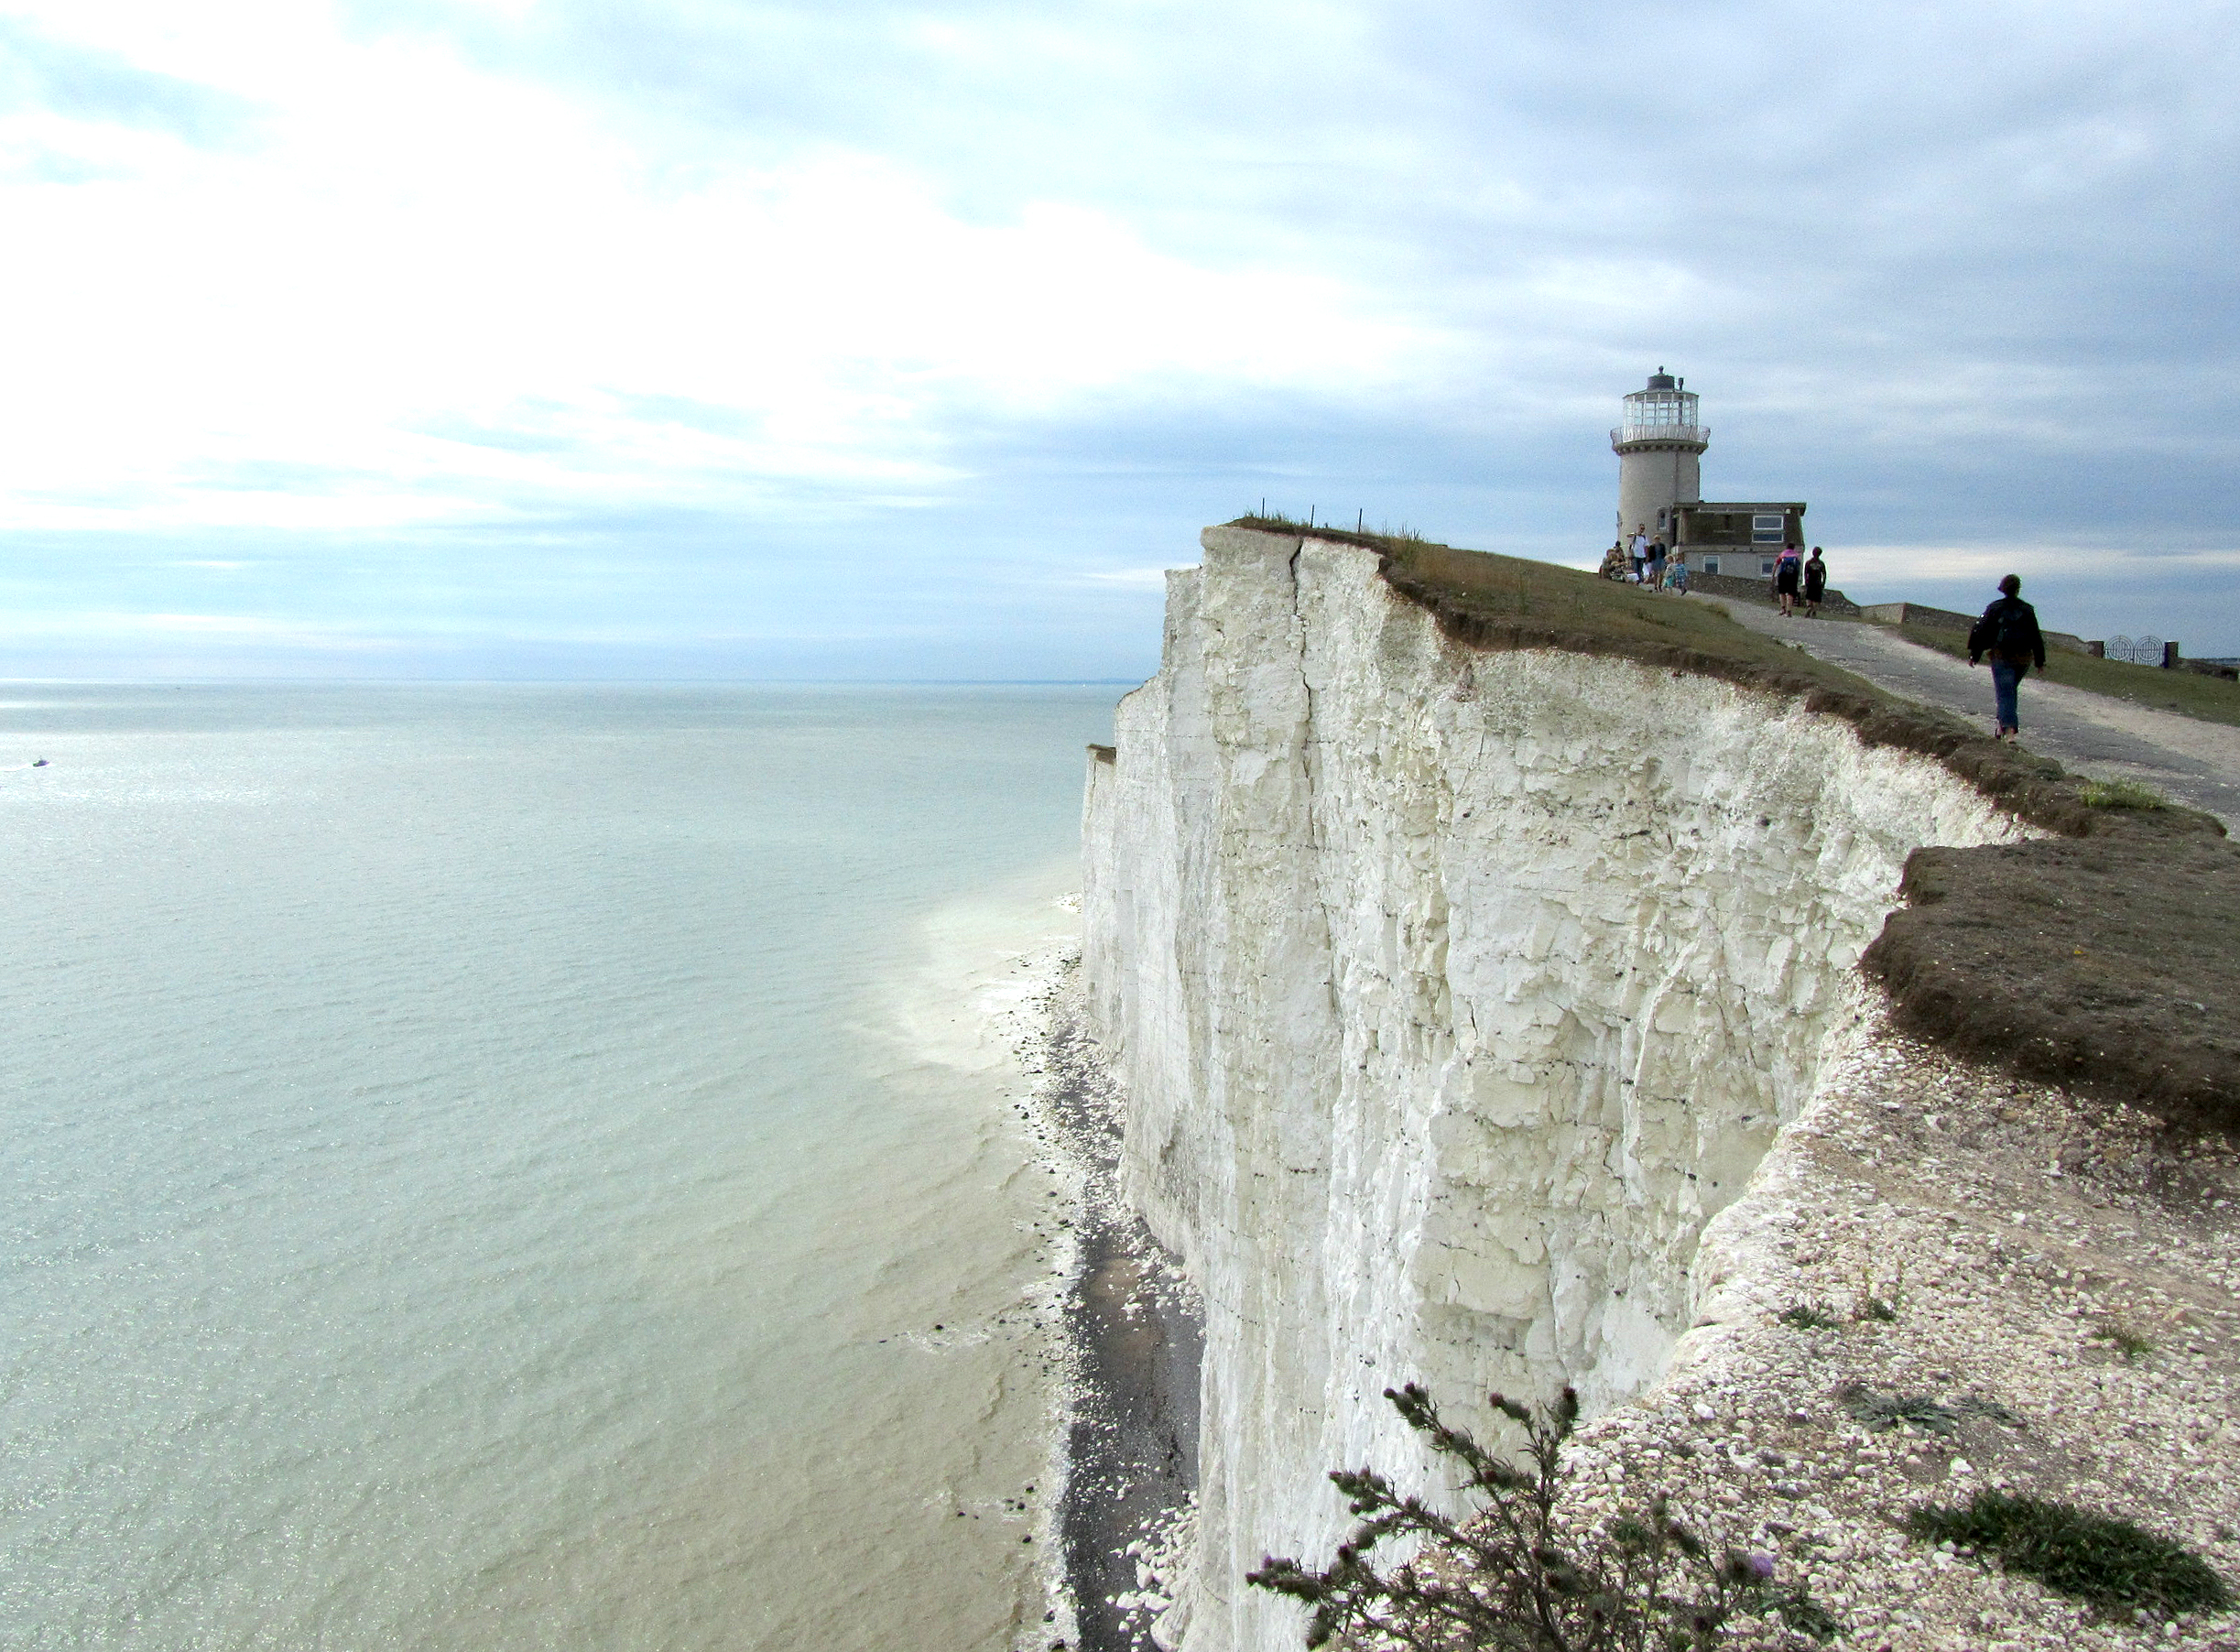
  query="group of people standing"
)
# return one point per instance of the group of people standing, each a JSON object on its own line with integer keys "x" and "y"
{"x": 1795, "y": 575}
{"x": 1641, "y": 560}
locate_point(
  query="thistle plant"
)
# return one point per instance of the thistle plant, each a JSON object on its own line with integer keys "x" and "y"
{"x": 1516, "y": 1578}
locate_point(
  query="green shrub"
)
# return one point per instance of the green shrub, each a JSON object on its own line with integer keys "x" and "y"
{"x": 1522, "y": 1580}
{"x": 1882, "y": 1411}
{"x": 2107, "y": 1562}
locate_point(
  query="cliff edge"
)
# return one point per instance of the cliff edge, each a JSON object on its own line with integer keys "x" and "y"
{"x": 1463, "y": 968}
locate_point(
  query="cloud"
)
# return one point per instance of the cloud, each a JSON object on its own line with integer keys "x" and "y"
{"x": 230, "y": 631}
{"x": 87, "y": 84}
{"x": 656, "y": 304}
{"x": 1128, "y": 579}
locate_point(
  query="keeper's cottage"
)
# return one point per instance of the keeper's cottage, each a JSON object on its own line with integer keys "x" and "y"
{"x": 1660, "y": 488}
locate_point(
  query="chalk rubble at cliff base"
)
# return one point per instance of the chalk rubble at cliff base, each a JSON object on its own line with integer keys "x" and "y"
{"x": 2015, "y": 1230}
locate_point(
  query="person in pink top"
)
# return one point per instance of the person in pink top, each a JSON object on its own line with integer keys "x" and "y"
{"x": 1784, "y": 574}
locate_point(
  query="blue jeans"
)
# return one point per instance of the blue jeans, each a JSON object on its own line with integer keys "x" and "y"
{"x": 2005, "y": 679}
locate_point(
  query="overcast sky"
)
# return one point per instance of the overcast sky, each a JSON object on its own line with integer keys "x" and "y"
{"x": 708, "y": 338}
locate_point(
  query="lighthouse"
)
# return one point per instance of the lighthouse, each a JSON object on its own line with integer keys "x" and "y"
{"x": 1660, "y": 489}
{"x": 1659, "y": 448}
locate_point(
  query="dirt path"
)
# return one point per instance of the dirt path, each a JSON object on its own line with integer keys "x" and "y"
{"x": 2193, "y": 762}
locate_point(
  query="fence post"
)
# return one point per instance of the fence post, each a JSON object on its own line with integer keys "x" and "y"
{"x": 2169, "y": 656}
{"x": 2098, "y": 651}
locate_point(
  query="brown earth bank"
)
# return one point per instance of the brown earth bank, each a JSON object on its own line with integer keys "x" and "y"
{"x": 2104, "y": 962}
{"x": 2100, "y": 957}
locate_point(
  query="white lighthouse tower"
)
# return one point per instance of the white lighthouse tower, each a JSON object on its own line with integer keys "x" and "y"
{"x": 1659, "y": 448}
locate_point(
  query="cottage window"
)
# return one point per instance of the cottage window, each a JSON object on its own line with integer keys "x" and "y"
{"x": 1765, "y": 528}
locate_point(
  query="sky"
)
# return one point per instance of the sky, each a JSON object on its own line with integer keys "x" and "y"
{"x": 708, "y": 339}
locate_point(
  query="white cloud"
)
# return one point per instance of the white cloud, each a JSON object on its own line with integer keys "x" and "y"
{"x": 223, "y": 630}
{"x": 1129, "y": 579}
{"x": 1990, "y": 562}
{"x": 691, "y": 294}
{"x": 416, "y": 243}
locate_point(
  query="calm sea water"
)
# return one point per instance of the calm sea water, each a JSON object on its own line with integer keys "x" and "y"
{"x": 482, "y": 1165}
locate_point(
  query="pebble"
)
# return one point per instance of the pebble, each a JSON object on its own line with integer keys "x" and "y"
{"x": 2020, "y": 1241}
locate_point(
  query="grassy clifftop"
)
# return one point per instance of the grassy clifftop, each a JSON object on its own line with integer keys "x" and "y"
{"x": 2100, "y": 957}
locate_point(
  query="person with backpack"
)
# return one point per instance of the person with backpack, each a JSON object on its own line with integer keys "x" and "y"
{"x": 1784, "y": 574}
{"x": 2008, "y": 633}
{"x": 1815, "y": 584}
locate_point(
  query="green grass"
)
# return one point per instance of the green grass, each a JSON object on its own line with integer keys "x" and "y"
{"x": 2107, "y": 1562}
{"x": 1579, "y": 602}
{"x": 2132, "y": 1344}
{"x": 2121, "y": 794}
{"x": 2189, "y": 693}
{"x": 1811, "y": 1316}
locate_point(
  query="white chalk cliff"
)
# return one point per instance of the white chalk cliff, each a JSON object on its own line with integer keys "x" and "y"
{"x": 1452, "y": 994}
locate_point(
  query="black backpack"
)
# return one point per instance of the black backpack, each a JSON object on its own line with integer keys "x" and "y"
{"x": 2004, "y": 629}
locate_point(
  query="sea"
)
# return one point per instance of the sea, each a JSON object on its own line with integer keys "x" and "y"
{"x": 524, "y": 1166}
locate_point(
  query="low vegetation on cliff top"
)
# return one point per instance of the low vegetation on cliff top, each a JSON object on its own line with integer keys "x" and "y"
{"x": 2100, "y": 957}
{"x": 1510, "y": 602}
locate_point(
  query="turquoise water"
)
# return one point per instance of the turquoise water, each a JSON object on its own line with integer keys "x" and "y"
{"x": 483, "y": 1164}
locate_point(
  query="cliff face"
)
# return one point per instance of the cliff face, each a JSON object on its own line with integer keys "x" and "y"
{"x": 1453, "y": 993}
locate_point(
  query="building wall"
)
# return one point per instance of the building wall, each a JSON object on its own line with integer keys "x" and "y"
{"x": 1651, "y": 482}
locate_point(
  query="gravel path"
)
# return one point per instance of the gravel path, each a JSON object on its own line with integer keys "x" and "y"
{"x": 2195, "y": 763}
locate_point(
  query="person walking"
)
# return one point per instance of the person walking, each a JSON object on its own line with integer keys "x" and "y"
{"x": 1675, "y": 571}
{"x": 1638, "y": 548}
{"x": 1815, "y": 584}
{"x": 1785, "y": 575}
{"x": 2008, "y": 633}
{"x": 1656, "y": 565}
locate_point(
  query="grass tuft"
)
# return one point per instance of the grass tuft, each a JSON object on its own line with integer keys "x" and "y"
{"x": 2126, "y": 1339}
{"x": 2121, "y": 794}
{"x": 1809, "y": 1316}
{"x": 1879, "y": 1412}
{"x": 2108, "y": 1562}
